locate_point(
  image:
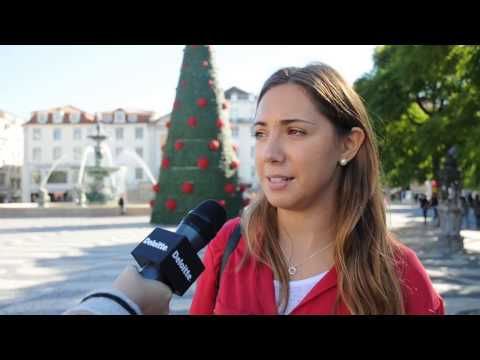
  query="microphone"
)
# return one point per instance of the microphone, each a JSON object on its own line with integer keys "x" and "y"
{"x": 171, "y": 257}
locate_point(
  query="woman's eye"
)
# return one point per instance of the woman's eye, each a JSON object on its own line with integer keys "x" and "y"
{"x": 296, "y": 132}
{"x": 258, "y": 134}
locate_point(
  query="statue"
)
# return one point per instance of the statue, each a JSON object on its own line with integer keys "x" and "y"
{"x": 449, "y": 208}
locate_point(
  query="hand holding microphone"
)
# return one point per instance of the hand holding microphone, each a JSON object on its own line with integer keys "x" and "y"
{"x": 169, "y": 263}
{"x": 153, "y": 297}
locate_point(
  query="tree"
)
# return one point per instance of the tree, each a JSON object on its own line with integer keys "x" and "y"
{"x": 198, "y": 161}
{"x": 422, "y": 100}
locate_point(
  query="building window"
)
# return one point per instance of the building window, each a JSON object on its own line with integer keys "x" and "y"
{"x": 75, "y": 174}
{"x": 118, "y": 151}
{"x": 77, "y": 153}
{"x": 234, "y": 97}
{"x": 235, "y": 131}
{"x": 77, "y": 134}
{"x": 74, "y": 117}
{"x": 57, "y": 134}
{"x": 58, "y": 117}
{"x": 37, "y": 134}
{"x": 37, "y": 154}
{"x": 119, "y": 117}
{"x": 138, "y": 173}
{"x": 58, "y": 177}
{"x": 139, "y": 152}
{"x": 132, "y": 118}
{"x": 2, "y": 179}
{"x": 42, "y": 117}
{"x": 138, "y": 133}
{"x": 119, "y": 133}
{"x": 57, "y": 153}
{"x": 36, "y": 177}
{"x": 106, "y": 117}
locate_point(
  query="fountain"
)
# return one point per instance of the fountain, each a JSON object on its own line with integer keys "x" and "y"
{"x": 102, "y": 183}
{"x": 43, "y": 197}
{"x": 99, "y": 192}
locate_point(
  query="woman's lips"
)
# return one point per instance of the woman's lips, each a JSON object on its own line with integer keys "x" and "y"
{"x": 279, "y": 182}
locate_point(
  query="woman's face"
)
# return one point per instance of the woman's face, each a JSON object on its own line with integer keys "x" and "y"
{"x": 297, "y": 150}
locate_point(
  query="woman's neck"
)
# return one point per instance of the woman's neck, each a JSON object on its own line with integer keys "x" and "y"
{"x": 307, "y": 230}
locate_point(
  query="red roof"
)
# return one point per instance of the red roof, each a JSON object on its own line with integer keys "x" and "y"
{"x": 85, "y": 118}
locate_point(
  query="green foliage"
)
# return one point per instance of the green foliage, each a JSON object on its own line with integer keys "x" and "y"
{"x": 423, "y": 100}
{"x": 198, "y": 79}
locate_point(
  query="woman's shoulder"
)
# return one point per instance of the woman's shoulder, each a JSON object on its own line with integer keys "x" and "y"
{"x": 419, "y": 293}
{"x": 218, "y": 243}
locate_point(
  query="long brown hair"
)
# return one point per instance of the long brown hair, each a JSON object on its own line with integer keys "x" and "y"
{"x": 367, "y": 273}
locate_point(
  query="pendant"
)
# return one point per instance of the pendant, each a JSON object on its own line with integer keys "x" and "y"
{"x": 292, "y": 270}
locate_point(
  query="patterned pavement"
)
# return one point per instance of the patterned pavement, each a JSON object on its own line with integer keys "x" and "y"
{"x": 48, "y": 264}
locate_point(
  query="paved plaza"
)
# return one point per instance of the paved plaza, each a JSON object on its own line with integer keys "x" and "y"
{"x": 48, "y": 264}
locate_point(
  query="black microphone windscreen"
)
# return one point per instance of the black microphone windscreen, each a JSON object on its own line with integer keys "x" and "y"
{"x": 207, "y": 218}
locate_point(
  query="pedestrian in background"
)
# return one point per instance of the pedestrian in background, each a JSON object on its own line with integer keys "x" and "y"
{"x": 464, "y": 210}
{"x": 424, "y": 206}
{"x": 476, "y": 210}
{"x": 434, "y": 205}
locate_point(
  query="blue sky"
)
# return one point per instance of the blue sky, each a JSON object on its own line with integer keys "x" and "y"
{"x": 104, "y": 77}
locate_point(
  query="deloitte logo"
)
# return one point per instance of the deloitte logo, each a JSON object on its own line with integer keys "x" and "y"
{"x": 183, "y": 267}
{"x": 155, "y": 244}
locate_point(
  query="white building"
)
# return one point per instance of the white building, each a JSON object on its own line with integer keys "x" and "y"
{"x": 242, "y": 106}
{"x": 11, "y": 157}
{"x": 57, "y": 141}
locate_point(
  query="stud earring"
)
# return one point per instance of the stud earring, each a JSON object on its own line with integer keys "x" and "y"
{"x": 343, "y": 162}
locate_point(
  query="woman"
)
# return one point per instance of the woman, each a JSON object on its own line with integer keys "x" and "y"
{"x": 315, "y": 239}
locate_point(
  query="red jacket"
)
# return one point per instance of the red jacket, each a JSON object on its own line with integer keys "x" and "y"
{"x": 250, "y": 291}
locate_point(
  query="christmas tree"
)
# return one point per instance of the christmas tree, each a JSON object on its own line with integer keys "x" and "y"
{"x": 199, "y": 161}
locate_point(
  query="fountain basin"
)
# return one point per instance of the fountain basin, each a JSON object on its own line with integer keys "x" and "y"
{"x": 29, "y": 210}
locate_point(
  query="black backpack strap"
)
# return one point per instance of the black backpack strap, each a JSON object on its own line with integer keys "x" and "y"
{"x": 231, "y": 245}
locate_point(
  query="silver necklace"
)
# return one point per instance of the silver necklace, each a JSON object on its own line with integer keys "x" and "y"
{"x": 292, "y": 268}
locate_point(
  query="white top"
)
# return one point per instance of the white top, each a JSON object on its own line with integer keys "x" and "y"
{"x": 298, "y": 290}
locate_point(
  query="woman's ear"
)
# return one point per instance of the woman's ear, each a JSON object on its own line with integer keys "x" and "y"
{"x": 351, "y": 143}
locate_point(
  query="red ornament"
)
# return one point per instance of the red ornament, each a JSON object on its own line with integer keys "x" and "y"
{"x": 156, "y": 188}
{"x": 152, "y": 203}
{"x": 203, "y": 163}
{"x": 229, "y": 188}
{"x": 214, "y": 145}
{"x": 219, "y": 123}
{"x": 211, "y": 82}
{"x": 221, "y": 202}
{"x": 179, "y": 145}
{"x": 205, "y": 63}
{"x": 234, "y": 164}
{"x": 202, "y": 102}
{"x": 171, "y": 204}
{"x": 224, "y": 106}
{"x": 192, "y": 121}
{"x": 434, "y": 184}
{"x": 167, "y": 124}
{"x": 187, "y": 187}
{"x": 165, "y": 163}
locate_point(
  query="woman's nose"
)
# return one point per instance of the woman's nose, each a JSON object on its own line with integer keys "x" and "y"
{"x": 273, "y": 150}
